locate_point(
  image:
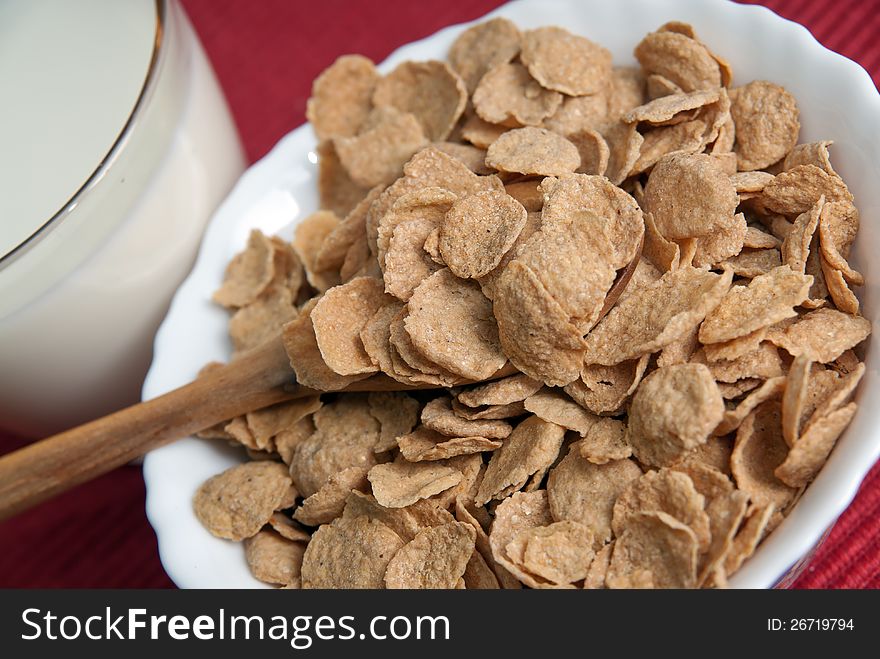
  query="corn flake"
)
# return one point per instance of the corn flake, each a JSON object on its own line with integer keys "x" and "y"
{"x": 565, "y": 62}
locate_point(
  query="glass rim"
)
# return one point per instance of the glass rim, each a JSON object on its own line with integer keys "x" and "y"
{"x": 112, "y": 153}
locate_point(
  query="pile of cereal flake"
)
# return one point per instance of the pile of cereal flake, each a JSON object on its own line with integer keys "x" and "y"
{"x": 476, "y": 217}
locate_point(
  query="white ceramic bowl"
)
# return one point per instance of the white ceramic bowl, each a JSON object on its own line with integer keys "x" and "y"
{"x": 837, "y": 100}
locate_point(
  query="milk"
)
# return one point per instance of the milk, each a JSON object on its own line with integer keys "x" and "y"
{"x": 121, "y": 175}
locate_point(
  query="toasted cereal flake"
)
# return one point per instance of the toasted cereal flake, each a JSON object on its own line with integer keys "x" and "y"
{"x": 707, "y": 480}
{"x": 686, "y": 137}
{"x": 679, "y": 351}
{"x": 397, "y": 414}
{"x": 307, "y": 240}
{"x": 767, "y": 123}
{"x": 553, "y": 556}
{"x": 399, "y": 484}
{"x": 593, "y": 150}
{"x": 426, "y": 444}
{"x": 735, "y": 348}
{"x": 811, "y": 450}
{"x": 333, "y": 250}
{"x": 624, "y": 146}
{"x": 509, "y": 96}
{"x": 663, "y": 109}
{"x": 328, "y": 502}
{"x": 238, "y": 502}
{"x": 513, "y": 389}
{"x": 678, "y": 58}
{"x": 249, "y": 272}
{"x": 338, "y": 318}
{"x": 565, "y": 62}
{"x": 689, "y": 196}
{"x": 287, "y": 528}
{"x": 766, "y": 300}
{"x": 267, "y": 423}
{"x": 605, "y": 441}
{"x": 432, "y": 247}
{"x": 426, "y": 207}
{"x": 478, "y": 575}
{"x": 518, "y": 513}
{"x": 579, "y": 113}
{"x": 757, "y": 239}
{"x": 535, "y": 331}
{"x": 722, "y": 244}
{"x": 843, "y": 297}
{"x": 726, "y": 513}
{"x": 430, "y": 167}
{"x": 659, "y": 86}
{"x": 528, "y": 193}
{"x": 759, "y": 450}
{"x": 337, "y": 192}
{"x": 754, "y": 262}
{"x": 657, "y": 544}
{"x": 409, "y": 362}
{"x": 749, "y": 535}
{"x": 288, "y": 439}
{"x": 673, "y": 411}
{"x": 488, "y": 411}
{"x": 533, "y": 151}
{"x": 261, "y": 320}
{"x": 349, "y": 553}
{"x": 570, "y": 256}
{"x": 584, "y": 492}
{"x": 812, "y": 153}
{"x": 762, "y": 363}
{"x": 667, "y": 491}
{"x": 796, "y": 246}
{"x": 664, "y": 254}
{"x": 345, "y": 434}
{"x": 478, "y": 230}
{"x": 753, "y": 181}
{"x": 272, "y": 558}
{"x": 481, "y": 134}
{"x": 298, "y": 338}
{"x": 838, "y": 226}
{"x": 438, "y": 415}
{"x": 376, "y": 336}
{"x": 795, "y": 397}
{"x": 581, "y": 196}
{"x": 436, "y": 558}
{"x": 823, "y": 334}
{"x": 505, "y": 579}
{"x": 450, "y": 321}
{"x": 482, "y": 46}
{"x": 555, "y": 407}
{"x": 604, "y": 389}
{"x": 405, "y": 522}
{"x": 626, "y": 91}
{"x": 595, "y": 579}
{"x": 473, "y": 157}
{"x": 839, "y": 395}
{"x": 376, "y": 156}
{"x": 772, "y": 388}
{"x": 431, "y": 91}
{"x": 656, "y": 315}
{"x": 531, "y": 448}
{"x": 797, "y": 190}
{"x": 715, "y": 453}
{"x": 342, "y": 97}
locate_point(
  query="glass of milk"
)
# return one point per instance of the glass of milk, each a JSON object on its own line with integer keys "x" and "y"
{"x": 116, "y": 145}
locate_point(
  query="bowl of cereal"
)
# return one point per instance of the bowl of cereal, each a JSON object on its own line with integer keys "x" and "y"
{"x": 611, "y": 273}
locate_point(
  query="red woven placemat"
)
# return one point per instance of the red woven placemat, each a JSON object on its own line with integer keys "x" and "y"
{"x": 266, "y": 54}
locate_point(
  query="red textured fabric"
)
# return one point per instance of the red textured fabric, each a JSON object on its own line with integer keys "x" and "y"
{"x": 266, "y": 54}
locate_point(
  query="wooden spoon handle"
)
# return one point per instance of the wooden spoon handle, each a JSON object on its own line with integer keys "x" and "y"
{"x": 48, "y": 467}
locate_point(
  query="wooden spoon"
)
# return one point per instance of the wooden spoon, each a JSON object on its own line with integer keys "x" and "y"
{"x": 256, "y": 379}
